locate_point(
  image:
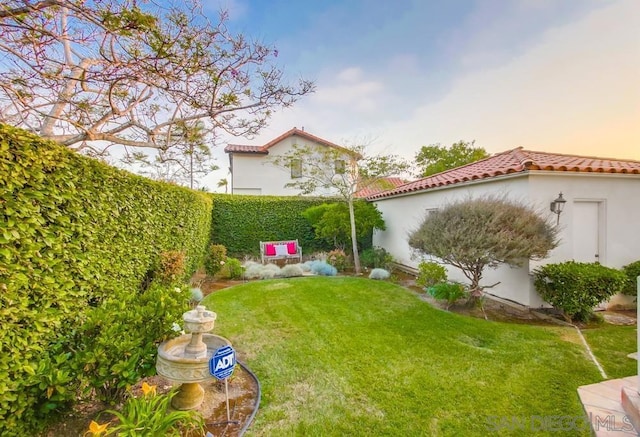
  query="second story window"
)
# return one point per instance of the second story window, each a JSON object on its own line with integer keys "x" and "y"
{"x": 296, "y": 168}
{"x": 339, "y": 166}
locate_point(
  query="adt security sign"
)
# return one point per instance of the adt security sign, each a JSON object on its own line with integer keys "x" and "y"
{"x": 222, "y": 362}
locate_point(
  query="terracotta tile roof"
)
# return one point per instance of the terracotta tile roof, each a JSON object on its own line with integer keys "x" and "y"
{"x": 237, "y": 148}
{"x": 240, "y": 148}
{"x": 380, "y": 186}
{"x": 515, "y": 161}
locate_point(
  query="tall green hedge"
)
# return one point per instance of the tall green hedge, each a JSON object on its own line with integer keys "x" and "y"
{"x": 72, "y": 230}
{"x": 241, "y": 222}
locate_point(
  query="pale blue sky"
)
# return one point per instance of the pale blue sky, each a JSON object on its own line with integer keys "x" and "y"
{"x": 552, "y": 75}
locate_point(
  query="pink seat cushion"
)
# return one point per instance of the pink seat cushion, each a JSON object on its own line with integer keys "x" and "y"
{"x": 291, "y": 248}
{"x": 269, "y": 250}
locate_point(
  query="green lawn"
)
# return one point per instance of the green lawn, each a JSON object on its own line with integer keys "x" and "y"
{"x": 348, "y": 356}
{"x": 611, "y": 344}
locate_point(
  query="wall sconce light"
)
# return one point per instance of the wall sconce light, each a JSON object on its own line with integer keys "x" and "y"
{"x": 557, "y": 206}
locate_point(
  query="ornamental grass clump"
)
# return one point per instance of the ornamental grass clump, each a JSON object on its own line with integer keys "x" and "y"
{"x": 252, "y": 270}
{"x": 269, "y": 271}
{"x": 291, "y": 270}
{"x": 322, "y": 268}
{"x": 379, "y": 274}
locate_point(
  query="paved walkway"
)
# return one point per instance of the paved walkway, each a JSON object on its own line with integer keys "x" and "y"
{"x": 602, "y": 403}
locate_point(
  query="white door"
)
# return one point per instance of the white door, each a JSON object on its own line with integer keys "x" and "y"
{"x": 587, "y": 232}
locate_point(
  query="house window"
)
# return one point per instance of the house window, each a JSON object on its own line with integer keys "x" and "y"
{"x": 296, "y": 168}
{"x": 339, "y": 166}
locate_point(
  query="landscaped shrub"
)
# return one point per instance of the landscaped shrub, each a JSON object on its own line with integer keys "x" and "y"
{"x": 379, "y": 274}
{"x": 376, "y": 257}
{"x": 338, "y": 259}
{"x": 215, "y": 258}
{"x": 430, "y": 273}
{"x": 74, "y": 233}
{"x": 322, "y": 268}
{"x": 232, "y": 269}
{"x": 291, "y": 270}
{"x": 449, "y": 291}
{"x": 172, "y": 266}
{"x": 118, "y": 343}
{"x": 576, "y": 288}
{"x": 632, "y": 271}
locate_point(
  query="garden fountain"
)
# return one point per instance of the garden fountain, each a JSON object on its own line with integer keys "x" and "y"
{"x": 185, "y": 359}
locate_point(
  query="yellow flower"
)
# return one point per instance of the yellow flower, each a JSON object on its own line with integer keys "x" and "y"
{"x": 96, "y": 429}
{"x": 146, "y": 389}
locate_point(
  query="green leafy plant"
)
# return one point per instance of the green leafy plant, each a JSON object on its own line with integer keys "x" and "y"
{"x": 632, "y": 271}
{"x": 74, "y": 233}
{"x": 430, "y": 273}
{"x": 576, "y": 288}
{"x": 215, "y": 258}
{"x": 150, "y": 415}
{"x": 232, "y": 269}
{"x": 139, "y": 323}
{"x": 172, "y": 266}
{"x": 449, "y": 291}
{"x": 376, "y": 257}
{"x": 338, "y": 259}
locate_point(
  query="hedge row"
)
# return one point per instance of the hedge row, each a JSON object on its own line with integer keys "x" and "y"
{"x": 241, "y": 222}
{"x": 72, "y": 232}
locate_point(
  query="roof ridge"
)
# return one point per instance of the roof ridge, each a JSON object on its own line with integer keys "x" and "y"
{"x": 573, "y": 155}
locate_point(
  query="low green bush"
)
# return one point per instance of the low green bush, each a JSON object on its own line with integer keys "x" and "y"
{"x": 430, "y": 273}
{"x": 576, "y": 288}
{"x": 449, "y": 291}
{"x": 215, "y": 258}
{"x": 376, "y": 258}
{"x": 232, "y": 269}
{"x": 632, "y": 271}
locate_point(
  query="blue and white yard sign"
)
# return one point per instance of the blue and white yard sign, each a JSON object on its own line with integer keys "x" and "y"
{"x": 222, "y": 362}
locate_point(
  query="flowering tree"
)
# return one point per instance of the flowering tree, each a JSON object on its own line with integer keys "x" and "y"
{"x": 94, "y": 74}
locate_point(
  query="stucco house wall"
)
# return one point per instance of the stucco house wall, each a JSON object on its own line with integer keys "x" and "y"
{"x": 252, "y": 171}
{"x": 601, "y": 213}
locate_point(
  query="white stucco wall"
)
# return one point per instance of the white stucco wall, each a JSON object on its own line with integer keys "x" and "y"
{"x": 254, "y": 174}
{"x": 619, "y": 194}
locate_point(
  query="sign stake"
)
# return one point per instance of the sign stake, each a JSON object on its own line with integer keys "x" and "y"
{"x": 226, "y": 391}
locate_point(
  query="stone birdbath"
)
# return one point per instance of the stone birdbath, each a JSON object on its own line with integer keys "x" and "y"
{"x": 185, "y": 359}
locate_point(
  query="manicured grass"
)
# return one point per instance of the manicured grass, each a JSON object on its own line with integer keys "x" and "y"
{"x": 611, "y": 344}
{"x": 349, "y": 356}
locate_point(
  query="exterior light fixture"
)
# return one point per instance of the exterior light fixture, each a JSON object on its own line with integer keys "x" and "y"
{"x": 557, "y": 206}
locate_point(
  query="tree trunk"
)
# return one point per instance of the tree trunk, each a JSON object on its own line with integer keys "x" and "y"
{"x": 354, "y": 238}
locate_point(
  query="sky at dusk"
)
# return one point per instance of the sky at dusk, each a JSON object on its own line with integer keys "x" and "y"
{"x": 551, "y": 75}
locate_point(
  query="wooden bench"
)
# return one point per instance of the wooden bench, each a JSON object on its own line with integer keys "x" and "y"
{"x": 274, "y": 250}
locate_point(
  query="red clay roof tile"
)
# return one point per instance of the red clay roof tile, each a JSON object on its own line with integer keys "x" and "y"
{"x": 515, "y": 161}
{"x": 237, "y": 148}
